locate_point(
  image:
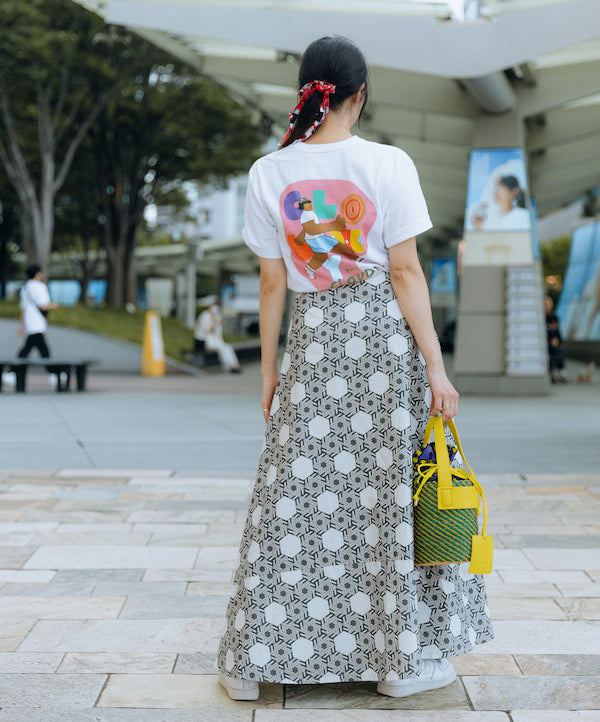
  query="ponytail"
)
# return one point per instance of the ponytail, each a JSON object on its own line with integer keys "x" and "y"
{"x": 329, "y": 61}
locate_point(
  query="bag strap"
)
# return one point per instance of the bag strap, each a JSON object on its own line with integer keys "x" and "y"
{"x": 444, "y": 474}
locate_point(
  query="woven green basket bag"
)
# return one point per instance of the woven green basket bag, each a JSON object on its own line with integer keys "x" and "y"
{"x": 446, "y": 505}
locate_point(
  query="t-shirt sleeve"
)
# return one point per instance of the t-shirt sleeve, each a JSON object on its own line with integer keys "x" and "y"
{"x": 404, "y": 207}
{"x": 40, "y": 294}
{"x": 259, "y": 232}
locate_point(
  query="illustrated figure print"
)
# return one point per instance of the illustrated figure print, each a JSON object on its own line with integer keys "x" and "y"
{"x": 317, "y": 236}
{"x": 327, "y": 224}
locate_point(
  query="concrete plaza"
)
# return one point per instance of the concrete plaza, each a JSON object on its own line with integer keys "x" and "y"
{"x": 120, "y": 520}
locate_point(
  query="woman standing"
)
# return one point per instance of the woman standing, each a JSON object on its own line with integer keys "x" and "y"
{"x": 326, "y": 589}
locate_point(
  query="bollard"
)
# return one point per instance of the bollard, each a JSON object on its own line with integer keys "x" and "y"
{"x": 153, "y": 349}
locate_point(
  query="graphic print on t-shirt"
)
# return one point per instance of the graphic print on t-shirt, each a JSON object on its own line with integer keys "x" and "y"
{"x": 327, "y": 224}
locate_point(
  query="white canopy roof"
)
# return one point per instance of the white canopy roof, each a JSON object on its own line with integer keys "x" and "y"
{"x": 542, "y": 55}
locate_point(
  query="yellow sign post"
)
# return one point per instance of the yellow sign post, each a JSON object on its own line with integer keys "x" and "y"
{"x": 153, "y": 349}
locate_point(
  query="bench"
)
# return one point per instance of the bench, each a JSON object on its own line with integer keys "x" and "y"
{"x": 62, "y": 368}
{"x": 199, "y": 356}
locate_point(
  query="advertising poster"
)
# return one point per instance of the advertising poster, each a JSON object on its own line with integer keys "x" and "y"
{"x": 578, "y": 308}
{"x": 497, "y": 198}
{"x": 443, "y": 276}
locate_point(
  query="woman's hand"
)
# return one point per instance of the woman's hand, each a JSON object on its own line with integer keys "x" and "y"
{"x": 444, "y": 397}
{"x": 269, "y": 384}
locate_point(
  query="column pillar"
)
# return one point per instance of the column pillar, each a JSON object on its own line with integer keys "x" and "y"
{"x": 500, "y": 343}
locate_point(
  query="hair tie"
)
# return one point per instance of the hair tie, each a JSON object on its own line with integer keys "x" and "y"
{"x": 305, "y": 92}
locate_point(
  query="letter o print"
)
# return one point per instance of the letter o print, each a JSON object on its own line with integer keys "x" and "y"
{"x": 353, "y": 209}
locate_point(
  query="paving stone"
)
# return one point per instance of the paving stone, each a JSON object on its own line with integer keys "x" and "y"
{"x": 99, "y": 537}
{"x": 586, "y": 608}
{"x": 113, "y": 663}
{"x": 62, "y": 607}
{"x": 364, "y": 695}
{"x": 540, "y": 692}
{"x": 7, "y": 528}
{"x": 15, "y": 557}
{"x": 199, "y": 663}
{"x": 165, "y": 607}
{"x": 529, "y": 715}
{"x": 170, "y": 528}
{"x": 578, "y": 590}
{"x": 109, "y": 557}
{"x": 132, "y": 589}
{"x": 12, "y": 633}
{"x": 541, "y": 576}
{"x": 209, "y": 588}
{"x": 126, "y": 715}
{"x": 218, "y": 557}
{"x": 564, "y": 558}
{"x": 482, "y": 664}
{"x": 98, "y": 575}
{"x": 48, "y": 590}
{"x": 525, "y": 608}
{"x": 365, "y": 715}
{"x": 558, "y": 541}
{"x": 179, "y": 691}
{"x": 125, "y": 635}
{"x": 559, "y": 664}
{"x": 188, "y": 575}
{"x": 112, "y": 474}
{"x": 543, "y": 637}
{"x": 21, "y": 662}
{"x": 18, "y": 575}
{"x": 510, "y": 559}
{"x": 50, "y": 690}
{"x": 553, "y": 530}
{"x": 501, "y": 589}
{"x": 191, "y": 516}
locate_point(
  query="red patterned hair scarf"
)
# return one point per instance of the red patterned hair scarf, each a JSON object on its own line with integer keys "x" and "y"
{"x": 305, "y": 93}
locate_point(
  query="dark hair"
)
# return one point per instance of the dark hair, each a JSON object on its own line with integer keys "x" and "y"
{"x": 512, "y": 183}
{"x": 335, "y": 60}
{"x": 32, "y": 270}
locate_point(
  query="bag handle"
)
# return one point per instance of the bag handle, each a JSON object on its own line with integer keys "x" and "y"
{"x": 444, "y": 474}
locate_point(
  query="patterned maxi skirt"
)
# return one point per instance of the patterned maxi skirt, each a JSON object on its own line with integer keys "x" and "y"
{"x": 326, "y": 589}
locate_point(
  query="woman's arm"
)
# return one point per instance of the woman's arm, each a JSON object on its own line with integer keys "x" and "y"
{"x": 410, "y": 287}
{"x": 273, "y": 289}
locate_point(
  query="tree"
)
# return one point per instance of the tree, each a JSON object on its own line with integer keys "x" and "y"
{"x": 167, "y": 127}
{"x": 48, "y": 51}
{"x": 555, "y": 258}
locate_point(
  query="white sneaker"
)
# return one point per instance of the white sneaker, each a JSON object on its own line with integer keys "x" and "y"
{"x": 239, "y": 688}
{"x": 435, "y": 673}
{"x": 9, "y": 379}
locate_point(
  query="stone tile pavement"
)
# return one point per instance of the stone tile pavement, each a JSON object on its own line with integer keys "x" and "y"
{"x": 113, "y": 586}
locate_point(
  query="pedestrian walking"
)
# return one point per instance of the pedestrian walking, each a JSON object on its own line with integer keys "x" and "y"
{"x": 35, "y": 304}
{"x": 326, "y": 589}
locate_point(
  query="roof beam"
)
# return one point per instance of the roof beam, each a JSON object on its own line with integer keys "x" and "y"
{"x": 447, "y": 49}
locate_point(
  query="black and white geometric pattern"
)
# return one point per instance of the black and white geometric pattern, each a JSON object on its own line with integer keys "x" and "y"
{"x": 326, "y": 589}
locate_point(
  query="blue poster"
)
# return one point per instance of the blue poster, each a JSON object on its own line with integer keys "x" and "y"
{"x": 497, "y": 191}
{"x": 443, "y": 276}
{"x": 578, "y": 308}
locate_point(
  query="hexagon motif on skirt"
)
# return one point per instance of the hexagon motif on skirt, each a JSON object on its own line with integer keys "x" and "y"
{"x": 326, "y": 588}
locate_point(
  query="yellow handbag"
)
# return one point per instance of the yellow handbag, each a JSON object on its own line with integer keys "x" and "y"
{"x": 446, "y": 505}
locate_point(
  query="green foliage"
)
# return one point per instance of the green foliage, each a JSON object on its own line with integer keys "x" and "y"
{"x": 555, "y": 258}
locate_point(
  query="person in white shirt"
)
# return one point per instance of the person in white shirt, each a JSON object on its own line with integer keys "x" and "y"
{"x": 509, "y": 211}
{"x": 326, "y": 589}
{"x": 35, "y": 304}
{"x": 209, "y": 329}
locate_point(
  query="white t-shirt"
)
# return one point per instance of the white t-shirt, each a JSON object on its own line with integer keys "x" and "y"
{"x": 34, "y": 294}
{"x": 517, "y": 219}
{"x": 374, "y": 187}
{"x": 306, "y": 217}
